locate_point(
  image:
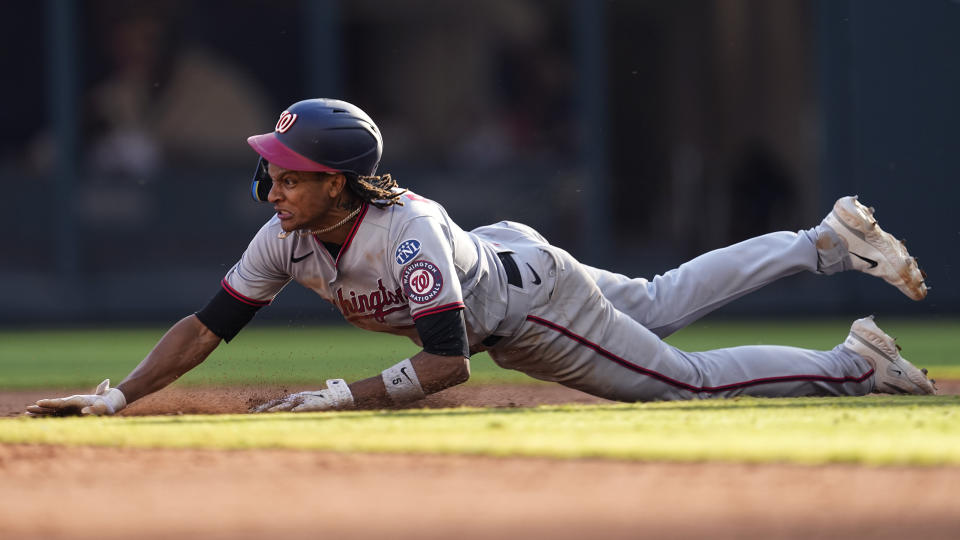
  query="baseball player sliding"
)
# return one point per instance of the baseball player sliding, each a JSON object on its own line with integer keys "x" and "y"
{"x": 393, "y": 261}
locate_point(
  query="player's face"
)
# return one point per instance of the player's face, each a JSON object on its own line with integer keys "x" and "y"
{"x": 302, "y": 199}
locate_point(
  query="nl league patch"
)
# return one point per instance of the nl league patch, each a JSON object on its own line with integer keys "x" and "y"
{"x": 422, "y": 281}
{"x": 407, "y": 250}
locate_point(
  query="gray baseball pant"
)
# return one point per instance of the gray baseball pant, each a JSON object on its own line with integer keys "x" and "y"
{"x": 600, "y": 332}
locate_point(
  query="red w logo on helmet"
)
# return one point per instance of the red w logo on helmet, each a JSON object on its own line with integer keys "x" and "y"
{"x": 285, "y": 122}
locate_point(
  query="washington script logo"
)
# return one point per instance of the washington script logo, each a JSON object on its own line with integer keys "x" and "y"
{"x": 373, "y": 304}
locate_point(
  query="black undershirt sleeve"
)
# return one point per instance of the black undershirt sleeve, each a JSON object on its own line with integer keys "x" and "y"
{"x": 444, "y": 333}
{"x": 225, "y": 316}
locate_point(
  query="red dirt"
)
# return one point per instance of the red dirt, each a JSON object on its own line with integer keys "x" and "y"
{"x": 225, "y": 400}
{"x": 106, "y": 493}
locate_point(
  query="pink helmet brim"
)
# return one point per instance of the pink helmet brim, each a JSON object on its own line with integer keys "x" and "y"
{"x": 274, "y": 151}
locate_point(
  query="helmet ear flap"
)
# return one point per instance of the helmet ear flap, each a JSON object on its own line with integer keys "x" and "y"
{"x": 260, "y": 187}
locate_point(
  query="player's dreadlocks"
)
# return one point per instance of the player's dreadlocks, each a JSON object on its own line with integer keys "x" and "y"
{"x": 376, "y": 190}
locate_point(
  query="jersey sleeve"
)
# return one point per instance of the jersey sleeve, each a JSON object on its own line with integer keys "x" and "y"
{"x": 424, "y": 268}
{"x": 260, "y": 274}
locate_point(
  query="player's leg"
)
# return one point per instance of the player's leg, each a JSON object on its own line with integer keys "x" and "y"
{"x": 619, "y": 359}
{"x": 849, "y": 238}
{"x": 581, "y": 340}
{"x": 679, "y": 297}
{"x": 852, "y": 368}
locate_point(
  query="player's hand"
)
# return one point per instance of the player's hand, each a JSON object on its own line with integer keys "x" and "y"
{"x": 103, "y": 401}
{"x": 314, "y": 400}
{"x": 336, "y": 396}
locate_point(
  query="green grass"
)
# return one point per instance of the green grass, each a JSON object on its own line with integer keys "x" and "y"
{"x": 81, "y": 358}
{"x": 875, "y": 430}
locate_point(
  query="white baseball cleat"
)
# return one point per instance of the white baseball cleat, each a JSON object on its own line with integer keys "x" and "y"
{"x": 893, "y": 374}
{"x": 874, "y": 251}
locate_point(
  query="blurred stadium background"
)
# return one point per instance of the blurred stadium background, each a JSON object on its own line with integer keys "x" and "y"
{"x": 634, "y": 133}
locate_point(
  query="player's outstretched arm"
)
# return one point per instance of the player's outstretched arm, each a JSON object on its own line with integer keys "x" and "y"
{"x": 183, "y": 347}
{"x": 408, "y": 381}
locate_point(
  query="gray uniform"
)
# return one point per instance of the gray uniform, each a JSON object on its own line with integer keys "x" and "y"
{"x": 540, "y": 311}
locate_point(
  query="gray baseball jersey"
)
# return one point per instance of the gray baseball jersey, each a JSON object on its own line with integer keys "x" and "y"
{"x": 396, "y": 265}
{"x": 540, "y": 311}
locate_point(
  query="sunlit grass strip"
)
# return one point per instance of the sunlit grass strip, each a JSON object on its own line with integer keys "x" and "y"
{"x": 943, "y": 372}
{"x": 869, "y": 430}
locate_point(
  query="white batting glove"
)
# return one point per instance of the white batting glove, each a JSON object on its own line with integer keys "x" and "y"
{"x": 336, "y": 396}
{"x": 103, "y": 401}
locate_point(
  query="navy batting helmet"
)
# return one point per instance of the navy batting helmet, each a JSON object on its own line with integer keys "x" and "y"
{"x": 326, "y": 135}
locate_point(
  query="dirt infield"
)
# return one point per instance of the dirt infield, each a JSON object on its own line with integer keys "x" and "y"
{"x": 226, "y": 400}
{"x": 106, "y": 493}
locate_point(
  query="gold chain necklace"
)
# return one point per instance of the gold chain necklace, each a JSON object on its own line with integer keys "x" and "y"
{"x": 351, "y": 215}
